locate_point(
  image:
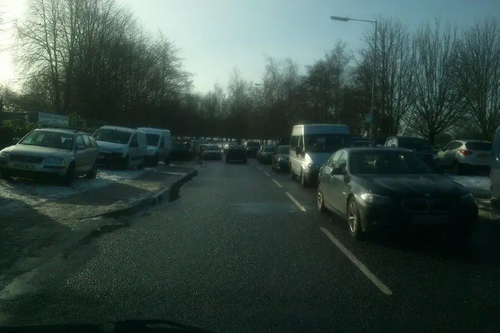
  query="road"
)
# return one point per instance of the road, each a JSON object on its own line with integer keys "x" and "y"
{"x": 244, "y": 250}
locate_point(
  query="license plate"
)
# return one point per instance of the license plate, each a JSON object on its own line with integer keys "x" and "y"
{"x": 24, "y": 166}
{"x": 430, "y": 219}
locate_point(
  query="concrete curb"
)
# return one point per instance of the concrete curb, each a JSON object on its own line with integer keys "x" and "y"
{"x": 153, "y": 199}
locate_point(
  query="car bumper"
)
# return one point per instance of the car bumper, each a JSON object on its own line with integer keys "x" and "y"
{"x": 282, "y": 165}
{"x": 111, "y": 159}
{"x": 462, "y": 217}
{"x": 211, "y": 156}
{"x": 25, "y": 170}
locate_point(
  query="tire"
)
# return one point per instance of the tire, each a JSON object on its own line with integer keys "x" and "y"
{"x": 303, "y": 180}
{"x": 93, "y": 173}
{"x": 123, "y": 164}
{"x": 67, "y": 179}
{"x": 320, "y": 199}
{"x": 292, "y": 175}
{"x": 141, "y": 165}
{"x": 156, "y": 160}
{"x": 353, "y": 220}
{"x": 4, "y": 175}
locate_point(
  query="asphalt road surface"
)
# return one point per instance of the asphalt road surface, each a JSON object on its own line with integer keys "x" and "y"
{"x": 244, "y": 250}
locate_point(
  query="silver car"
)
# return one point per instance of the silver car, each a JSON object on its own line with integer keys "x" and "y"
{"x": 60, "y": 153}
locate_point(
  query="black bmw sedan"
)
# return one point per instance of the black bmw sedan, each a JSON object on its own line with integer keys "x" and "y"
{"x": 377, "y": 188}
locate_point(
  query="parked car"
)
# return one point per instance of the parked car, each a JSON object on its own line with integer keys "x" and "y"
{"x": 236, "y": 154}
{"x": 227, "y": 145}
{"x": 121, "y": 147}
{"x": 61, "y": 153}
{"x": 464, "y": 156}
{"x": 265, "y": 154}
{"x": 252, "y": 147}
{"x": 159, "y": 142}
{"x": 380, "y": 188}
{"x": 180, "y": 152}
{"x": 311, "y": 146}
{"x": 280, "y": 158}
{"x": 421, "y": 147}
{"x": 211, "y": 152}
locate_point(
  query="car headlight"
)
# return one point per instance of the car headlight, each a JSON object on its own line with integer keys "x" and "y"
{"x": 4, "y": 155}
{"x": 54, "y": 161}
{"x": 467, "y": 198}
{"x": 375, "y": 199}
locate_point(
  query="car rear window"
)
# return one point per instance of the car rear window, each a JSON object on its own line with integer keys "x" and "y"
{"x": 478, "y": 146}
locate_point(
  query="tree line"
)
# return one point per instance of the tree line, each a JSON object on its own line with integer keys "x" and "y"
{"x": 90, "y": 59}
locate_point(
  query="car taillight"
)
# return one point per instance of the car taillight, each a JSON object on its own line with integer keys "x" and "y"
{"x": 466, "y": 152}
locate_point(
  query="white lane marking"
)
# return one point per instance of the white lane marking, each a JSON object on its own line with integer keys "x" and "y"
{"x": 379, "y": 284}
{"x": 267, "y": 174}
{"x": 276, "y": 182}
{"x": 296, "y": 202}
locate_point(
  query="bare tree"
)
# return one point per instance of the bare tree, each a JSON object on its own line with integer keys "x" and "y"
{"x": 394, "y": 81}
{"x": 478, "y": 70}
{"x": 438, "y": 104}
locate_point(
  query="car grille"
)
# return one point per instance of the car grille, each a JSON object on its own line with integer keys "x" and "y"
{"x": 26, "y": 159}
{"x": 425, "y": 205}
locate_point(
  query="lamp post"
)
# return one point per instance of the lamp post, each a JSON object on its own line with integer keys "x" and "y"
{"x": 347, "y": 19}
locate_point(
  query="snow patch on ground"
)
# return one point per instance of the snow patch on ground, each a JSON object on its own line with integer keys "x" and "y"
{"x": 476, "y": 184}
{"x": 18, "y": 193}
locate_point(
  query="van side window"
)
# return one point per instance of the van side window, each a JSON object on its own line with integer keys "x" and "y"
{"x": 134, "y": 143}
{"x": 86, "y": 139}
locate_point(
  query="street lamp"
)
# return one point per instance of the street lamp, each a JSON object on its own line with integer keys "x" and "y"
{"x": 347, "y": 19}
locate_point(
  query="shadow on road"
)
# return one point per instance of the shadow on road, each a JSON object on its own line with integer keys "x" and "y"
{"x": 23, "y": 236}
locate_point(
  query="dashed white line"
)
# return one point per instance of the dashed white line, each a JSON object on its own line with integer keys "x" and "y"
{"x": 379, "y": 284}
{"x": 278, "y": 184}
{"x": 267, "y": 174}
{"x": 296, "y": 202}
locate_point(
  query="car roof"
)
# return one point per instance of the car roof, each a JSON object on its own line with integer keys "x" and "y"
{"x": 59, "y": 130}
{"x": 119, "y": 128}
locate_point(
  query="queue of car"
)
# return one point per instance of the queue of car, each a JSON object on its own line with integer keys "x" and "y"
{"x": 65, "y": 154}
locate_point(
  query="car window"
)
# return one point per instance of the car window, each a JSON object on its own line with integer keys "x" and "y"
{"x": 92, "y": 142}
{"x": 86, "y": 139}
{"x": 134, "y": 143}
{"x": 79, "y": 141}
{"x": 387, "y": 162}
{"x": 341, "y": 162}
{"x": 389, "y": 142}
{"x": 49, "y": 139}
{"x": 477, "y": 145}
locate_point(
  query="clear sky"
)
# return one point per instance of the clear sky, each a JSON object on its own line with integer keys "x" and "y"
{"x": 216, "y": 36}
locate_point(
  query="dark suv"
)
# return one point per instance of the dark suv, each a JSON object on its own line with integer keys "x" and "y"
{"x": 252, "y": 147}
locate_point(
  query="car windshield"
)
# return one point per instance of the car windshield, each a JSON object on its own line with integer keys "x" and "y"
{"x": 478, "y": 145}
{"x": 387, "y": 162}
{"x": 268, "y": 149}
{"x": 414, "y": 143}
{"x": 49, "y": 139}
{"x": 111, "y": 135}
{"x": 325, "y": 143}
{"x": 283, "y": 149}
{"x": 152, "y": 139}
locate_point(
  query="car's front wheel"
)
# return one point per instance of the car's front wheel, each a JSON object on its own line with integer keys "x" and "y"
{"x": 320, "y": 199}
{"x": 353, "y": 219}
{"x": 68, "y": 178}
{"x": 93, "y": 173}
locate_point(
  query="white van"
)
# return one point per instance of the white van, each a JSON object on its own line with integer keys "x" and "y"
{"x": 121, "y": 147}
{"x": 310, "y": 147}
{"x": 159, "y": 143}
